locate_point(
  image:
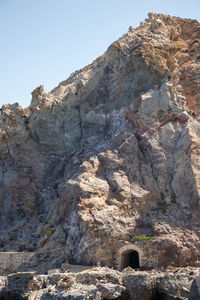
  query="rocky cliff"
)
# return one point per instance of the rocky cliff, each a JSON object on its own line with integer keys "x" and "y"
{"x": 110, "y": 153}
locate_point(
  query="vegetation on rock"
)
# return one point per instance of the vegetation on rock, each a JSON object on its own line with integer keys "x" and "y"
{"x": 142, "y": 238}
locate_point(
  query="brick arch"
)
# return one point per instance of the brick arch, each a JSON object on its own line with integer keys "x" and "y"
{"x": 124, "y": 251}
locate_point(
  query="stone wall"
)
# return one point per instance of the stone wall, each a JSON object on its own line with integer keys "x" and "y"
{"x": 11, "y": 262}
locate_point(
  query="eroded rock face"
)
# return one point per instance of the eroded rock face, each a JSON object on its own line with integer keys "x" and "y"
{"x": 110, "y": 153}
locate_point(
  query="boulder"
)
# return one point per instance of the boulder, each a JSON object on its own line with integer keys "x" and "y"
{"x": 195, "y": 289}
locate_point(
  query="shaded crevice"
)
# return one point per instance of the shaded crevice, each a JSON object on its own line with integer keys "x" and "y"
{"x": 80, "y": 123}
{"x": 12, "y": 295}
{"x": 147, "y": 161}
{"x": 162, "y": 296}
{"x": 173, "y": 193}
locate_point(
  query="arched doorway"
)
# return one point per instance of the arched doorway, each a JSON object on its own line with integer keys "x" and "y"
{"x": 129, "y": 255}
{"x": 130, "y": 259}
{"x": 133, "y": 259}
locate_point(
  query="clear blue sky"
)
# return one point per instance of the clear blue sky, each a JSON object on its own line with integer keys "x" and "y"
{"x": 44, "y": 41}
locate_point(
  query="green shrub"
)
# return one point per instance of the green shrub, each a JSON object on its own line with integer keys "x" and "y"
{"x": 49, "y": 231}
{"x": 179, "y": 47}
{"x": 171, "y": 268}
{"x": 142, "y": 238}
{"x": 141, "y": 36}
{"x": 195, "y": 41}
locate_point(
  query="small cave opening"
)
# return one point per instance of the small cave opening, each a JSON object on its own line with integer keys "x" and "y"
{"x": 130, "y": 259}
{"x": 161, "y": 296}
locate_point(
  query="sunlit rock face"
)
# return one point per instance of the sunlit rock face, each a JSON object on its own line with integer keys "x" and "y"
{"x": 110, "y": 153}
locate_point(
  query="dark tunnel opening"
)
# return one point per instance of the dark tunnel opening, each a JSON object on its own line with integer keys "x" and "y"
{"x": 130, "y": 259}
{"x": 134, "y": 260}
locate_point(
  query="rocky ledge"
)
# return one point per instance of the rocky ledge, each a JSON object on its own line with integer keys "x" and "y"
{"x": 103, "y": 283}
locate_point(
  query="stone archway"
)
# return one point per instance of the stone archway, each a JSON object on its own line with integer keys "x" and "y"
{"x": 129, "y": 255}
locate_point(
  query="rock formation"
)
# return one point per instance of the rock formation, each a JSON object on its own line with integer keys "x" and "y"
{"x": 109, "y": 154}
{"x": 103, "y": 284}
